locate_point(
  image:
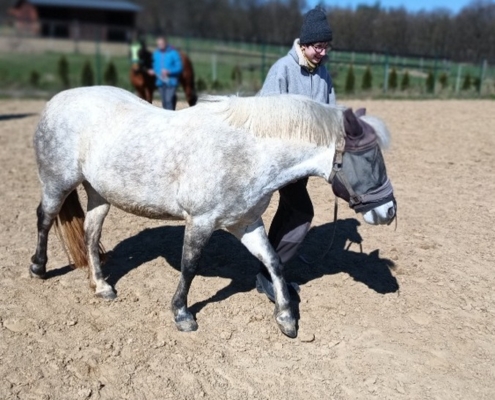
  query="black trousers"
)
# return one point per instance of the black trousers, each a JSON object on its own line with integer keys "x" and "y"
{"x": 292, "y": 220}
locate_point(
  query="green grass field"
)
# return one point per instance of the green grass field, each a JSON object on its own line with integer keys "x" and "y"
{"x": 241, "y": 67}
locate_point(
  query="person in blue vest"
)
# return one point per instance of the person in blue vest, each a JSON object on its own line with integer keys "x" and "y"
{"x": 167, "y": 67}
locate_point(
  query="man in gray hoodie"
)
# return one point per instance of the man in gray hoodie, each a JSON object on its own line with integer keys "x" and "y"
{"x": 303, "y": 72}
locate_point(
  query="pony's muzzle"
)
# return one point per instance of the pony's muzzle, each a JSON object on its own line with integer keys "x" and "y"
{"x": 381, "y": 215}
{"x": 391, "y": 212}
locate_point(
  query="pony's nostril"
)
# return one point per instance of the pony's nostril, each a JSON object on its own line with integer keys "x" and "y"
{"x": 375, "y": 216}
{"x": 391, "y": 212}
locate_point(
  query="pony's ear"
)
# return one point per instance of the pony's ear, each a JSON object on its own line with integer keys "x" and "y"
{"x": 351, "y": 124}
{"x": 360, "y": 112}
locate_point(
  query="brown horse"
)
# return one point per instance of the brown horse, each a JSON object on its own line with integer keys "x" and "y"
{"x": 144, "y": 83}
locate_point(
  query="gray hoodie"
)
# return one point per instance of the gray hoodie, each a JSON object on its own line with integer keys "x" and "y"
{"x": 290, "y": 74}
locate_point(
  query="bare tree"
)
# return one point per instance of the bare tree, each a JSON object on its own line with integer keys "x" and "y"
{"x": 467, "y": 36}
{"x": 474, "y": 35}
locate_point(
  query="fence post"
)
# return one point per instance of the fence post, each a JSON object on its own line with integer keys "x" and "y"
{"x": 214, "y": 67}
{"x": 482, "y": 75}
{"x": 385, "y": 77}
{"x": 188, "y": 44}
{"x": 263, "y": 61}
{"x": 98, "y": 57}
{"x": 458, "y": 79}
{"x": 435, "y": 72}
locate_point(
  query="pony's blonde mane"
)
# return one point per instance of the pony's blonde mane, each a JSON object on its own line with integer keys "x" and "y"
{"x": 290, "y": 117}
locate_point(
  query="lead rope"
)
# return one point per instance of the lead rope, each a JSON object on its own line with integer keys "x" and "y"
{"x": 337, "y": 163}
{"x": 327, "y": 250}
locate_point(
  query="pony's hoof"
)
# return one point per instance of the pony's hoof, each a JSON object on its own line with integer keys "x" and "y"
{"x": 108, "y": 294}
{"x": 287, "y": 326}
{"x": 37, "y": 271}
{"x": 186, "y": 325}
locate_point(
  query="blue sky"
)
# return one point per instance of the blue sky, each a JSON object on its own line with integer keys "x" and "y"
{"x": 411, "y": 5}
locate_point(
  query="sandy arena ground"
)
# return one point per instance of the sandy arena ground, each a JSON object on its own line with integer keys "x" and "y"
{"x": 387, "y": 314}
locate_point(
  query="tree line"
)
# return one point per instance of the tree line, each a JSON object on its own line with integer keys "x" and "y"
{"x": 468, "y": 36}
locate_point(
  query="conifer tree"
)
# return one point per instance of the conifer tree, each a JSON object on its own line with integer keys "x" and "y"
{"x": 444, "y": 80}
{"x": 466, "y": 84}
{"x": 63, "y": 72}
{"x": 201, "y": 85}
{"x": 87, "y": 75}
{"x": 404, "y": 84}
{"x": 477, "y": 84}
{"x": 110, "y": 75}
{"x": 367, "y": 79}
{"x": 34, "y": 78}
{"x": 430, "y": 83}
{"x": 392, "y": 79}
{"x": 236, "y": 75}
{"x": 350, "y": 80}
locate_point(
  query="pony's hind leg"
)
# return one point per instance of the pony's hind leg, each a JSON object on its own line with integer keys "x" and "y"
{"x": 255, "y": 239}
{"x": 52, "y": 199}
{"x": 39, "y": 259}
{"x": 148, "y": 95}
{"x": 195, "y": 237}
{"x": 98, "y": 209}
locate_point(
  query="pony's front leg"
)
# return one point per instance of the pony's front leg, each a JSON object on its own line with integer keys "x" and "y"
{"x": 98, "y": 209}
{"x": 255, "y": 239}
{"x": 196, "y": 235}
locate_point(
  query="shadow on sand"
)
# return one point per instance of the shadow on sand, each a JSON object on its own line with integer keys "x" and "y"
{"x": 224, "y": 256}
{"x": 7, "y": 117}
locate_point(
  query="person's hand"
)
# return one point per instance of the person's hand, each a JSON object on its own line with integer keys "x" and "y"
{"x": 151, "y": 72}
{"x": 164, "y": 73}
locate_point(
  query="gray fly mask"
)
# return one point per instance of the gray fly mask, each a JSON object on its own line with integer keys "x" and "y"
{"x": 359, "y": 175}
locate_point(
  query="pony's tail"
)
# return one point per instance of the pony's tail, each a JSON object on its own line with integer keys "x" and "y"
{"x": 70, "y": 229}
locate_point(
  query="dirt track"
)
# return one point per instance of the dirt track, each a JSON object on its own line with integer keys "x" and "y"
{"x": 409, "y": 317}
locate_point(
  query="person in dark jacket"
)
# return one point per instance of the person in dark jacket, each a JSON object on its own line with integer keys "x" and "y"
{"x": 301, "y": 71}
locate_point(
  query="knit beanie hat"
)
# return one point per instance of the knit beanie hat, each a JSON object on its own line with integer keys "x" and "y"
{"x": 315, "y": 27}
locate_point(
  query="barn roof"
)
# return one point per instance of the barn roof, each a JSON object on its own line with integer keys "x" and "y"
{"x": 118, "y": 5}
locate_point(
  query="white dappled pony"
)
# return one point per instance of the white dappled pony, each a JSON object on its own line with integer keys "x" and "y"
{"x": 215, "y": 166}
